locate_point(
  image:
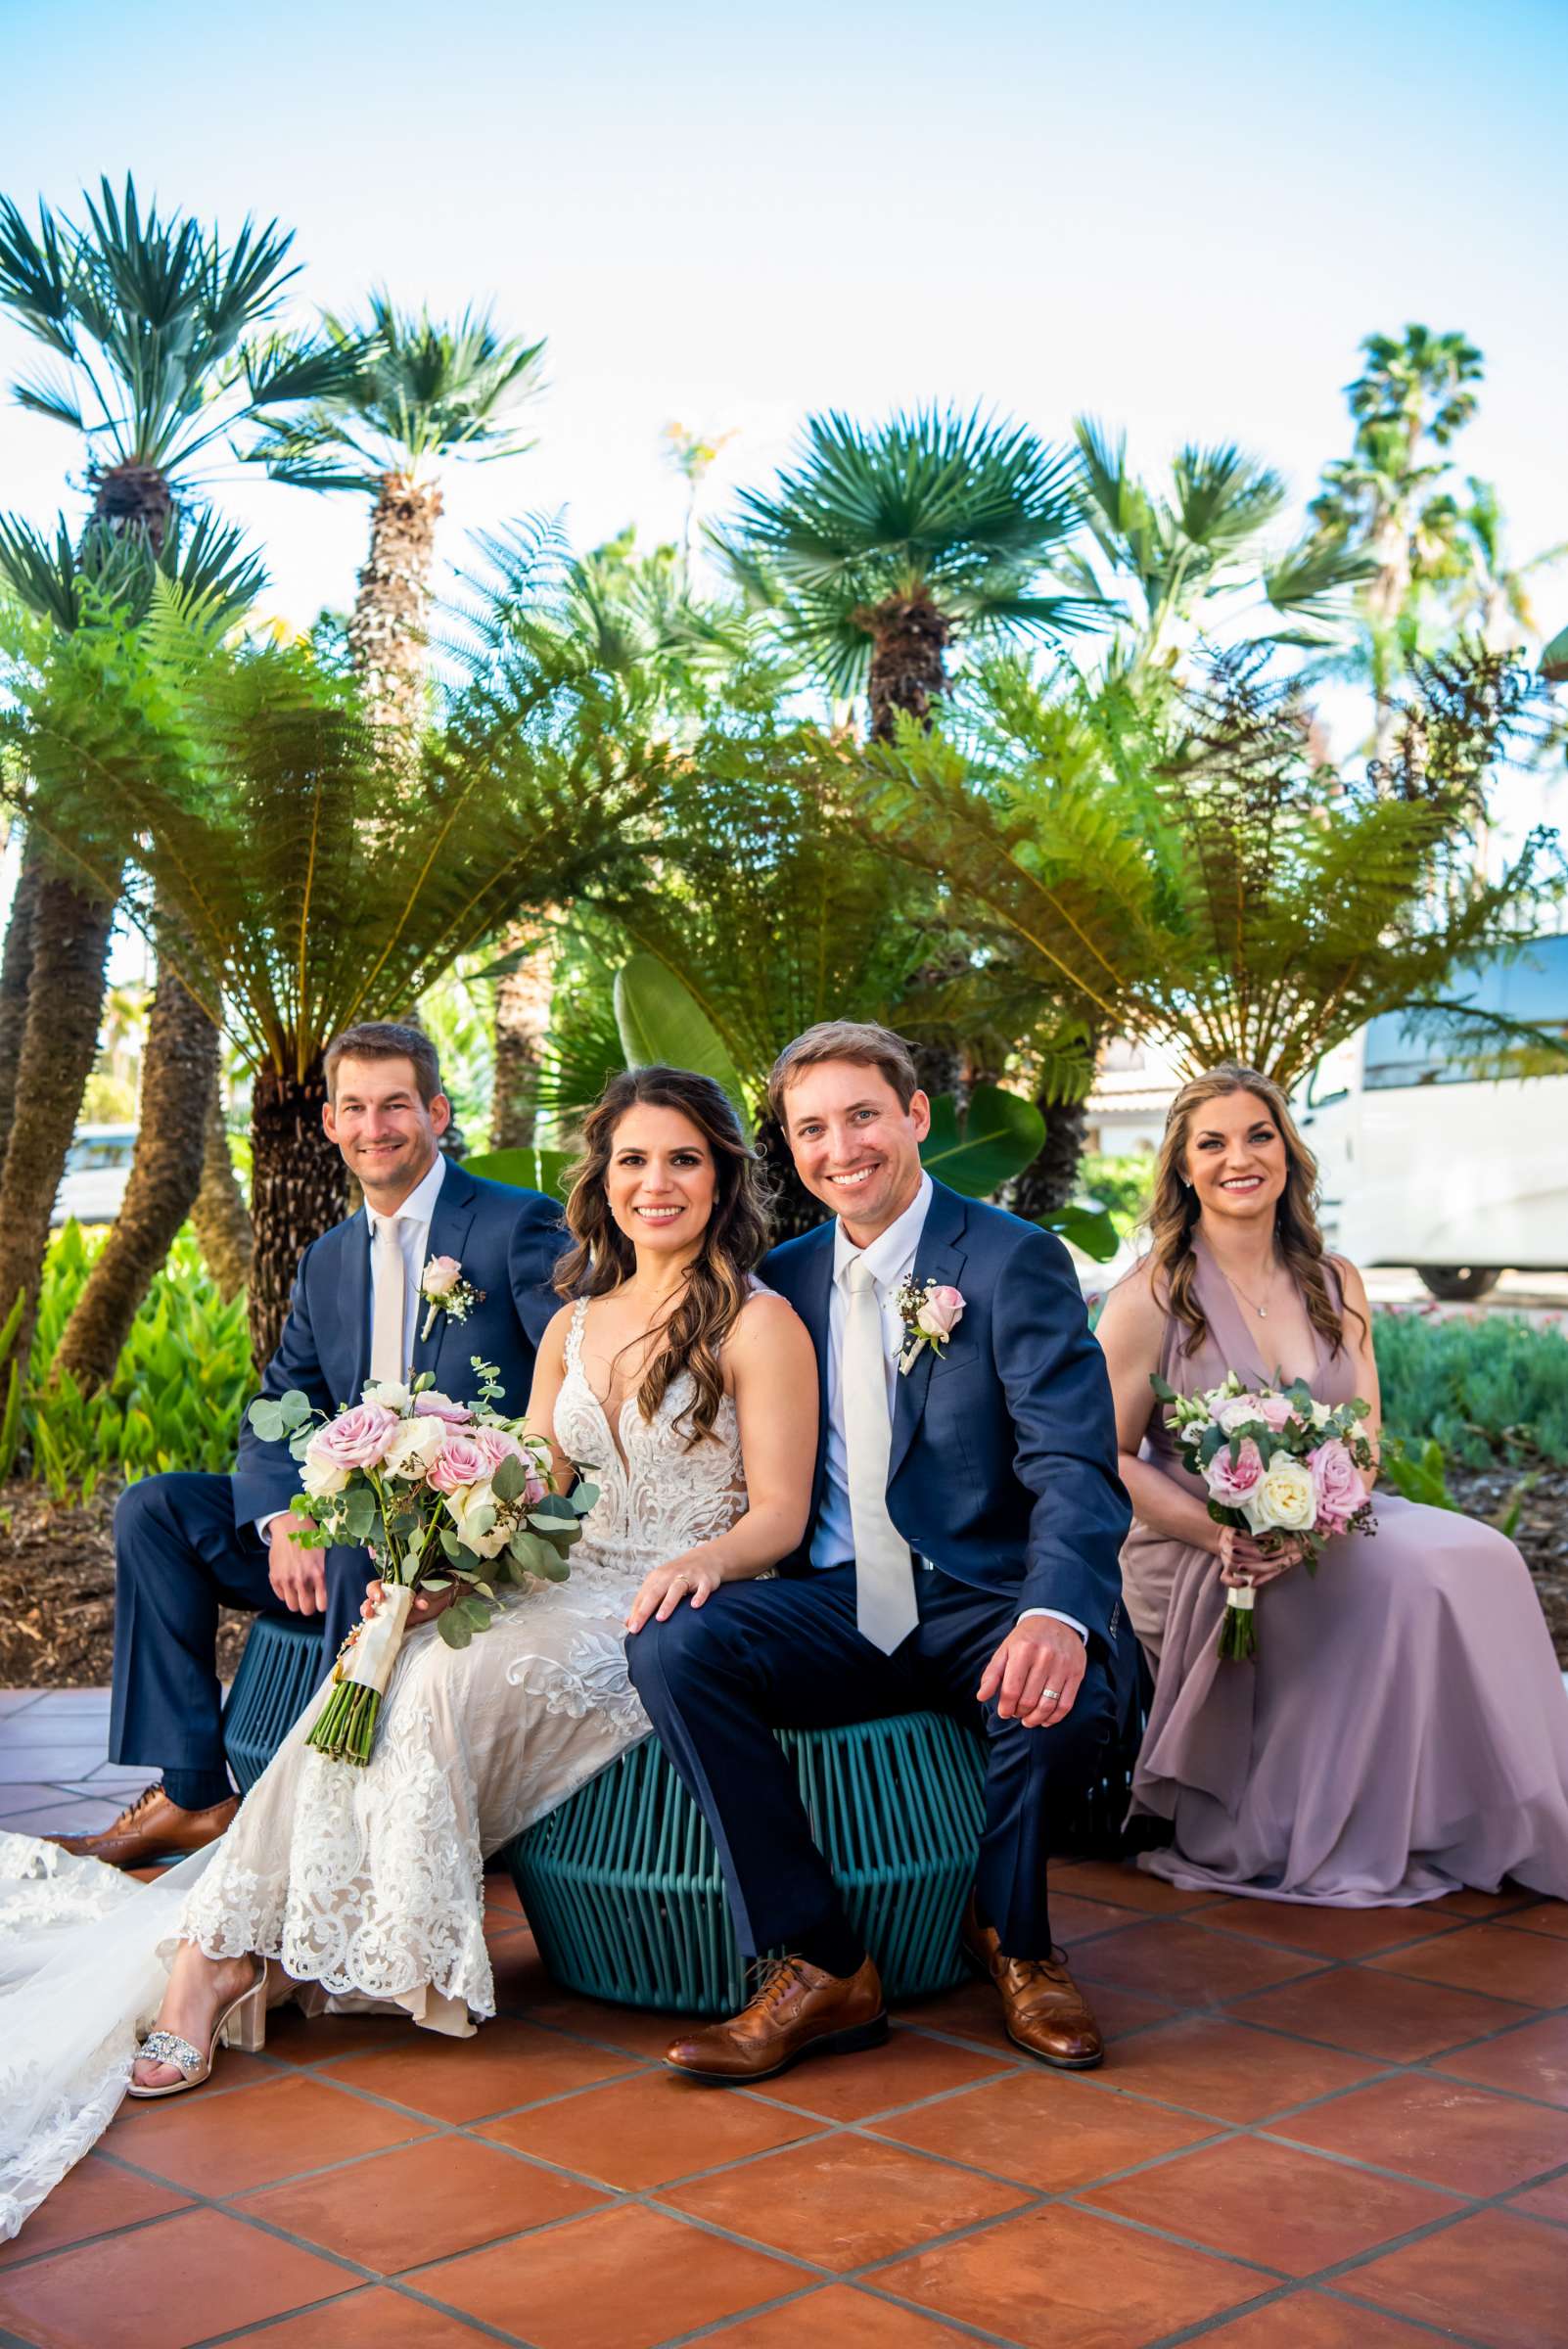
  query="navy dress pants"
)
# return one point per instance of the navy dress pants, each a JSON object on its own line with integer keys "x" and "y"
{"x": 718, "y": 1680}
{"x": 178, "y": 1557}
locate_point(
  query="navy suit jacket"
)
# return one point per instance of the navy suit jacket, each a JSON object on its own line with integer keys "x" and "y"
{"x": 507, "y": 1242}
{"x": 1004, "y": 1463}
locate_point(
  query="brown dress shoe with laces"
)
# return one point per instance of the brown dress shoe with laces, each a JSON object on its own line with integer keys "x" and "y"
{"x": 797, "y": 2010}
{"x": 1046, "y": 2012}
{"x": 152, "y": 1828}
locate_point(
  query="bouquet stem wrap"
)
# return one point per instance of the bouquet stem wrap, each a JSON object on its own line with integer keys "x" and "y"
{"x": 345, "y": 1727}
{"x": 1238, "y": 1630}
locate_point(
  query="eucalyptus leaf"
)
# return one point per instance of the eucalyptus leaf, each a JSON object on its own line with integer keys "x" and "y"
{"x": 510, "y": 1479}
{"x": 455, "y": 1628}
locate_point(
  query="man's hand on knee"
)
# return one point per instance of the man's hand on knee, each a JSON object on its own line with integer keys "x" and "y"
{"x": 1036, "y": 1673}
{"x": 297, "y": 1575}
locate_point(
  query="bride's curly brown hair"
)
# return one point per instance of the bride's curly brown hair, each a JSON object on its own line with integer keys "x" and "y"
{"x": 734, "y": 1243}
{"x": 1173, "y": 1211}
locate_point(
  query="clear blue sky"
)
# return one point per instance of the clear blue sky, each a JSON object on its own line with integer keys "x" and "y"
{"x": 1179, "y": 218}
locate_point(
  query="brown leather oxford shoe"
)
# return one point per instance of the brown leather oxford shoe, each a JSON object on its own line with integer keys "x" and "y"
{"x": 1046, "y": 2012}
{"x": 796, "y": 2011}
{"x": 152, "y": 1828}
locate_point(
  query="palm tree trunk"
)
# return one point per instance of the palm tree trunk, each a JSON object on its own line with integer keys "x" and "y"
{"x": 179, "y": 1072}
{"x": 220, "y": 1214}
{"x": 15, "y": 967}
{"x": 298, "y": 1190}
{"x": 388, "y": 632}
{"x": 522, "y": 1016}
{"x": 1048, "y": 1181}
{"x": 64, "y": 1004}
{"x": 908, "y": 665}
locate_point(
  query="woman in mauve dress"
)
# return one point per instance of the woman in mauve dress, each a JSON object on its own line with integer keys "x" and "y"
{"x": 1402, "y": 1729}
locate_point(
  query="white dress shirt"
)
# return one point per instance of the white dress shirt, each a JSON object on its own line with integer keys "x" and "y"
{"x": 890, "y": 1258}
{"x": 413, "y": 1238}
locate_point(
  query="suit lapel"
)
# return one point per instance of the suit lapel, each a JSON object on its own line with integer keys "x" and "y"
{"x": 355, "y": 1294}
{"x": 814, "y": 1303}
{"x": 455, "y": 1204}
{"x": 941, "y": 1259}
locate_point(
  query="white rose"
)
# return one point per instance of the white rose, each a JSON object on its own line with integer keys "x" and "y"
{"x": 320, "y": 1475}
{"x": 390, "y": 1394}
{"x": 415, "y": 1448}
{"x": 473, "y": 1502}
{"x": 1285, "y": 1500}
{"x": 1241, "y": 1413}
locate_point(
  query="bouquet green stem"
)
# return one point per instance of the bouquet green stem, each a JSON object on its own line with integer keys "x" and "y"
{"x": 1238, "y": 1629}
{"x": 345, "y": 1727}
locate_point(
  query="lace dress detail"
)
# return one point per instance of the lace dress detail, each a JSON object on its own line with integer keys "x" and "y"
{"x": 368, "y": 1882}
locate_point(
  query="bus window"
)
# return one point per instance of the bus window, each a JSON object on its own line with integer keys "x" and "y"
{"x": 1533, "y": 988}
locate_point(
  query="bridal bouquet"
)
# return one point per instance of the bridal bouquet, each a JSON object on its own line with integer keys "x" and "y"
{"x": 1275, "y": 1462}
{"x": 444, "y": 1495}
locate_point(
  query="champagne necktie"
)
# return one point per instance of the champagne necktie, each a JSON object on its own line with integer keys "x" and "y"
{"x": 885, "y": 1610}
{"x": 389, "y": 1295}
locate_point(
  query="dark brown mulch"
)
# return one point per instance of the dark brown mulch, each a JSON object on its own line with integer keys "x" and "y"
{"x": 57, "y": 1575}
{"x": 56, "y": 1592}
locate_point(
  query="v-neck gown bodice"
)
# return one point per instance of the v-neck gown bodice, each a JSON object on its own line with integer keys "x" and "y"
{"x": 1404, "y": 1729}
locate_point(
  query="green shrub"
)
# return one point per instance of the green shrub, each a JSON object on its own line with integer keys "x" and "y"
{"x": 1121, "y": 1184}
{"x": 177, "y": 1397}
{"x": 1495, "y": 1385}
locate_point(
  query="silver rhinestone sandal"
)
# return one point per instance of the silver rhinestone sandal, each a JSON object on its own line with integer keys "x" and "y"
{"x": 243, "y": 2024}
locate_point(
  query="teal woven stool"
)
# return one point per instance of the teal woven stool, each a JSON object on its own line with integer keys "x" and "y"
{"x": 626, "y": 1896}
{"x": 279, "y": 1673}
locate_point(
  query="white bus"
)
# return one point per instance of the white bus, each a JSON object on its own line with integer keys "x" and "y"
{"x": 1424, "y": 1164}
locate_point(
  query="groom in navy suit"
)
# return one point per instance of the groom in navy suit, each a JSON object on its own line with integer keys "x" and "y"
{"x": 185, "y": 1543}
{"x": 962, "y": 1555}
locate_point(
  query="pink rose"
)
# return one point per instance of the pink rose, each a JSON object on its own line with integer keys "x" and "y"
{"x": 434, "y": 1405}
{"x": 356, "y": 1439}
{"x": 496, "y": 1444}
{"x": 1337, "y": 1487}
{"x": 1277, "y": 1411}
{"x": 1232, "y": 1482}
{"x": 462, "y": 1463}
{"x": 940, "y": 1313}
{"x": 534, "y": 1491}
{"x": 441, "y": 1277}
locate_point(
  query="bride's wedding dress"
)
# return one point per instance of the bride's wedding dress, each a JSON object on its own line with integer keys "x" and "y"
{"x": 366, "y": 1884}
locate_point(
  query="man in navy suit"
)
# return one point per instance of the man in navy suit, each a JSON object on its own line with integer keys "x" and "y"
{"x": 185, "y": 1545}
{"x": 962, "y": 1555}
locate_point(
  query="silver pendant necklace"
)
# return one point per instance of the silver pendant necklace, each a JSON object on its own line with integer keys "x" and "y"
{"x": 1262, "y": 1310}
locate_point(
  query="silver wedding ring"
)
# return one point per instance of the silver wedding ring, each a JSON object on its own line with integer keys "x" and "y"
{"x": 1051, "y": 1693}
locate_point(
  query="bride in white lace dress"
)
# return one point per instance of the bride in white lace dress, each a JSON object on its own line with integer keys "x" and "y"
{"x": 692, "y": 1392}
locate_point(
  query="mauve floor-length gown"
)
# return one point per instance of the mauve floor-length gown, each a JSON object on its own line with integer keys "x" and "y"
{"x": 1404, "y": 1728}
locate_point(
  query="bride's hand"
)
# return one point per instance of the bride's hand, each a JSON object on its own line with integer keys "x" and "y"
{"x": 1242, "y": 1560}
{"x": 664, "y": 1589}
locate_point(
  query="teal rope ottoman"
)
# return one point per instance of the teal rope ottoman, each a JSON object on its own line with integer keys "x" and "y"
{"x": 624, "y": 1893}
{"x": 278, "y": 1674}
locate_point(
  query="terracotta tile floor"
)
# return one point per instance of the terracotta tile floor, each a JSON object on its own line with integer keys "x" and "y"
{"x": 1313, "y": 2130}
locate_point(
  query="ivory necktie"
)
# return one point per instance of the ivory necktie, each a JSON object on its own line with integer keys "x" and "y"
{"x": 885, "y": 1610}
{"x": 389, "y": 1292}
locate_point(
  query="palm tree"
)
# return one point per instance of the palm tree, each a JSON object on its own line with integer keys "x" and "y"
{"x": 887, "y": 546}
{"x": 1413, "y": 396}
{"x": 295, "y": 870}
{"x": 629, "y": 618}
{"x": 1185, "y": 561}
{"x": 1204, "y": 882}
{"x": 412, "y": 394}
{"x": 152, "y": 326}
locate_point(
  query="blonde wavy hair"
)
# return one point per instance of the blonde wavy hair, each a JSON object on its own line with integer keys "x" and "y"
{"x": 1173, "y": 1211}
{"x": 719, "y": 1278}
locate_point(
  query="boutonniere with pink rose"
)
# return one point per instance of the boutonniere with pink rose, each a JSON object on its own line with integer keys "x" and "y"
{"x": 444, "y": 1291}
{"x": 930, "y": 1313}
